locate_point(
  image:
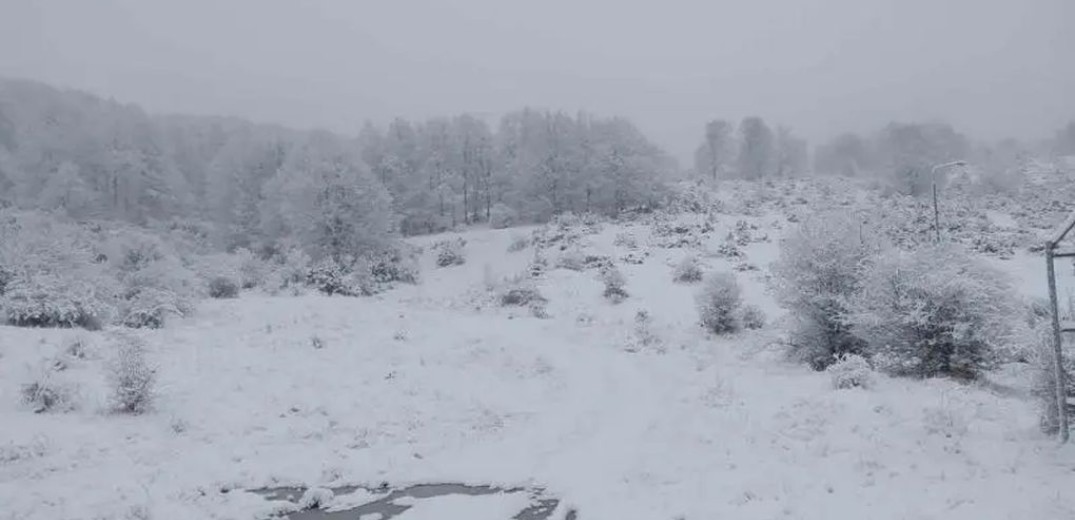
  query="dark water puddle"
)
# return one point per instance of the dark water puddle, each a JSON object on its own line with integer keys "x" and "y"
{"x": 541, "y": 507}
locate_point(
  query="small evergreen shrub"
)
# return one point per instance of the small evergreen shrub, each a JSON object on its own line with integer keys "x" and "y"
{"x": 450, "y": 252}
{"x": 718, "y": 304}
{"x": 850, "y": 371}
{"x": 132, "y": 379}
{"x": 222, "y": 287}
{"x": 688, "y": 270}
{"x": 614, "y": 285}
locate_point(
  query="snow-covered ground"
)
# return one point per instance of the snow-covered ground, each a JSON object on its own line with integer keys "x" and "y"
{"x": 434, "y": 383}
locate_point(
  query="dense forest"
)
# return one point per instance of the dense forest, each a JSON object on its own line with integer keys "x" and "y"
{"x": 256, "y": 186}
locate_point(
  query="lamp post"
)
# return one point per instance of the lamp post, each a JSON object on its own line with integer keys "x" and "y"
{"x": 936, "y": 209}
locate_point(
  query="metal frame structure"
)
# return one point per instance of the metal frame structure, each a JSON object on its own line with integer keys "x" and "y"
{"x": 1052, "y": 252}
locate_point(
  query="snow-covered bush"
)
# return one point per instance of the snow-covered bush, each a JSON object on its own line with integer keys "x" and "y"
{"x": 850, "y": 371}
{"x": 48, "y": 300}
{"x": 625, "y": 239}
{"x": 150, "y": 308}
{"x": 688, "y": 270}
{"x": 502, "y": 216}
{"x": 396, "y": 264}
{"x": 1044, "y": 382}
{"x": 223, "y": 287}
{"x": 539, "y": 264}
{"x": 154, "y": 281}
{"x": 332, "y": 278}
{"x": 48, "y": 393}
{"x": 253, "y": 271}
{"x": 935, "y": 311}
{"x": 520, "y": 292}
{"x": 729, "y": 248}
{"x": 290, "y": 270}
{"x": 450, "y": 252}
{"x": 518, "y": 243}
{"x": 614, "y": 285}
{"x": 131, "y": 378}
{"x": 644, "y": 334}
{"x": 718, "y": 303}
{"x": 751, "y": 317}
{"x": 820, "y": 268}
{"x": 572, "y": 259}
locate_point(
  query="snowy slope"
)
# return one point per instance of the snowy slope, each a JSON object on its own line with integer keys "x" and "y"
{"x": 432, "y": 383}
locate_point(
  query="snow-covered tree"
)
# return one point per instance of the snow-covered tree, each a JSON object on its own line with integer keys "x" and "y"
{"x": 325, "y": 198}
{"x": 791, "y": 153}
{"x": 716, "y": 154}
{"x": 820, "y": 269}
{"x": 756, "y": 149}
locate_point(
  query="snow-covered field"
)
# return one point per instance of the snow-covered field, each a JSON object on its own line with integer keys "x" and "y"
{"x": 436, "y": 383}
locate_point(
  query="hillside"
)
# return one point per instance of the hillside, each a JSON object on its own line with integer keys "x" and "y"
{"x": 437, "y": 382}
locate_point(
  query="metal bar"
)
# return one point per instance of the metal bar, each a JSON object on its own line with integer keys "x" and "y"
{"x": 1063, "y": 230}
{"x": 1067, "y": 326}
{"x": 1062, "y": 253}
{"x": 936, "y": 211}
{"x": 1058, "y": 351}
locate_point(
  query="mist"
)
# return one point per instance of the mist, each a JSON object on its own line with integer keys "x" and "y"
{"x": 992, "y": 69}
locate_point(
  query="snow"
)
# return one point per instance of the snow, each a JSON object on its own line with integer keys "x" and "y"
{"x": 432, "y": 383}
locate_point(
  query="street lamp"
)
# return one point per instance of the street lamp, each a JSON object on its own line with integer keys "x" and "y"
{"x": 936, "y": 210}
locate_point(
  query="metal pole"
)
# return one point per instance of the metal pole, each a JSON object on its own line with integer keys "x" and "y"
{"x": 936, "y": 211}
{"x": 1058, "y": 351}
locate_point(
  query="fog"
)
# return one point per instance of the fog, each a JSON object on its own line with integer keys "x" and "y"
{"x": 993, "y": 68}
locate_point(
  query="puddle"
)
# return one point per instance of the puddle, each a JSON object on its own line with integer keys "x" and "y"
{"x": 387, "y": 503}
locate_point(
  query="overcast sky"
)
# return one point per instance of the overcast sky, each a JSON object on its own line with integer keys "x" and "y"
{"x": 991, "y": 67}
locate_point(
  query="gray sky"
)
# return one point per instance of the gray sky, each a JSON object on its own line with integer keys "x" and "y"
{"x": 991, "y": 67}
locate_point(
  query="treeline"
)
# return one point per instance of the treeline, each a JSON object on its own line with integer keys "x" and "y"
{"x": 257, "y": 185}
{"x": 902, "y": 155}
{"x": 751, "y": 151}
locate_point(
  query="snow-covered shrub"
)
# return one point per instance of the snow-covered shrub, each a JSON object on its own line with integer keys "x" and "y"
{"x": 614, "y": 285}
{"x": 518, "y": 292}
{"x": 539, "y": 264}
{"x": 332, "y": 278}
{"x": 47, "y": 300}
{"x": 688, "y": 270}
{"x": 751, "y": 317}
{"x": 625, "y": 239}
{"x": 502, "y": 216}
{"x": 154, "y": 281}
{"x": 253, "y": 271}
{"x": 850, "y": 371}
{"x": 1044, "y": 381}
{"x": 131, "y": 378}
{"x": 935, "y": 311}
{"x": 290, "y": 271}
{"x": 396, "y": 264}
{"x": 48, "y": 393}
{"x": 150, "y": 307}
{"x": 718, "y": 303}
{"x": 223, "y": 287}
{"x": 572, "y": 259}
{"x": 729, "y": 248}
{"x": 820, "y": 268}
{"x": 450, "y": 252}
{"x": 743, "y": 233}
{"x": 518, "y": 243}
{"x": 643, "y": 332}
